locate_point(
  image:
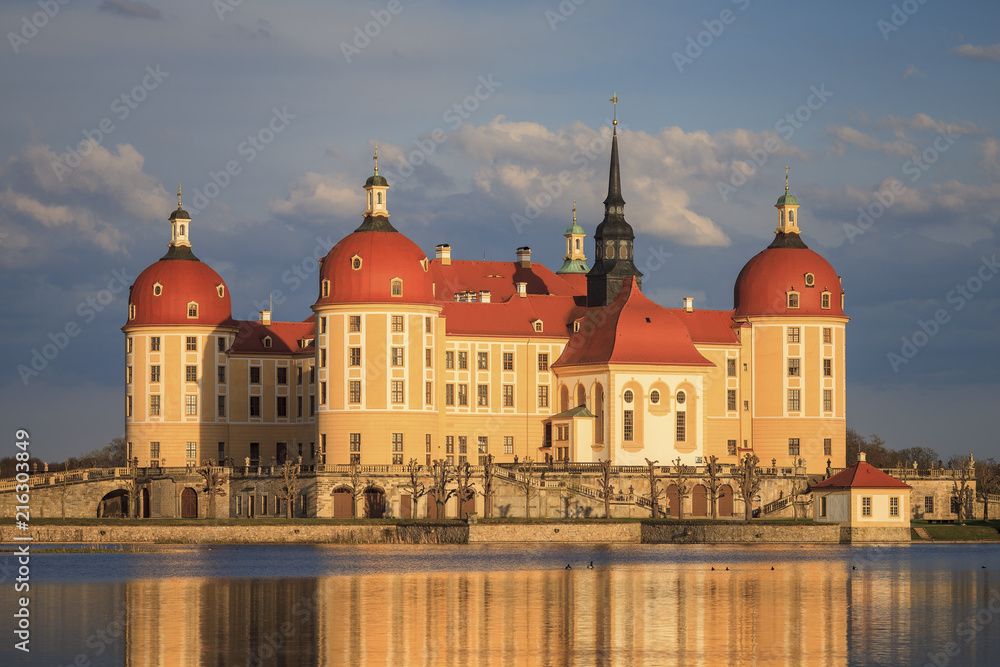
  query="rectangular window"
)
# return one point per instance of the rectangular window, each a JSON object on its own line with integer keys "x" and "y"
{"x": 222, "y": 406}
{"x": 192, "y": 344}
{"x": 928, "y": 504}
{"x": 154, "y": 405}
{"x": 312, "y": 375}
{"x": 731, "y": 367}
{"x": 483, "y": 449}
{"x": 255, "y": 374}
{"x": 894, "y": 506}
{"x": 483, "y": 395}
{"x": 397, "y": 442}
{"x": 255, "y": 406}
{"x": 730, "y": 399}
{"x": 312, "y": 406}
{"x": 828, "y": 368}
{"x": 681, "y": 426}
{"x": 793, "y": 300}
{"x": 731, "y": 447}
{"x": 397, "y": 459}
{"x": 626, "y": 426}
{"x": 822, "y": 506}
{"x": 298, "y": 375}
{"x": 793, "y": 368}
{"x": 397, "y": 391}
{"x": 483, "y": 361}
{"x": 263, "y": 504}
{"x": 222, "y": 344}
{"x": 222, "y": 375}
{"x": 322, "y": 357}
{"x": 827, "y": 335}
{"x": 543, "y": 396}
{"x": 354, "y": 323}
{"x": 508, "y": 444}
{"x": 428, "y": 357}
{"x": 190, "y": 450}
{"x": 239, "y": 505}
{"x": 866, "y": 506}
{"x": 827, "y": 446}
{"x": 282, "y": 406}
{"x": 463, "y": 444}
{"x": 508, "y": 361}
{"x": 128, "y": 345}
{"x": 190, "y": 404}
{"x": 154, "y": 450}
{"x": 449, "y": 394}
{"x": 449, "y": 444}
{"x": 128, "y": 375}
{"x": 508, "y": 395}
{"x": 427, "y": 442}
{"x": 128, "y": 406}
{"x": 793, "y": 446}
{"x": 463, "y": 361}
{"x": 793, "y": 400}
{"x": 543, "y": 361}
{"x": 154, "y": 344}
{"x": 397, "y": 356}
{"x": 428, "y": 393}
{"x": 298, "y": 406}
{"x": 282, "y": 374}
{"x": 322, "y": 393}
{"x": 354, "y": 356}
{"x": 828, "y": 399}
{"x": 154, "y": 373}
{"x": 322, "y": 325}
{"x": 793, "y": 334}
{"x": 397, "y": 323}
{"x": 463, "y": 394}
{"x": 427, "y": 325}
{"x": 449, "y": 359}
{"x": 824, "y": 301}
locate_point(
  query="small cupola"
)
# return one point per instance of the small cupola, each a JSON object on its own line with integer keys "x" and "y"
{"x": 788, "y": 211}
{"x": 378, "y": 190}
{"x": 180, "y": 225}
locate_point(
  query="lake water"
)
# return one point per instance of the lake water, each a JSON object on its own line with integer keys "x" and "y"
{"x": 513, "y": 605}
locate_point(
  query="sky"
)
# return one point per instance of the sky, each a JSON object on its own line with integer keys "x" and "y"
{"x": 490, "y": 120}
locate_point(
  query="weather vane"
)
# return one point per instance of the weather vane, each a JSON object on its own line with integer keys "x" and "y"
{"x": 179, "y": 196}
{"x": 376, "y": 157}
{"x": 574, "y": 211}
{"x": 786, "y": 179}
{"x": 614, "y": 101}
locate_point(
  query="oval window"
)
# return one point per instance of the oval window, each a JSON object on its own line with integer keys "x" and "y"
{"x": 681, "y": 397}
{"x": 654, "y": 397}
{"x": 356, "y": 263}
{"x": 609, "y": 251}
{"x": 157, "y": 289}
{"x": 810, "y": 280}
{"x": 623, "y": 252}
{"x": 628, "y": 396}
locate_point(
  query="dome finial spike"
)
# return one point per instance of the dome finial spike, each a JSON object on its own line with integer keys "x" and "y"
{"x": 614, "y": 120}
{"x": 179, "y": 206}
{"x": 574, "y": 211}
{"x": 786, "y": 178}
{"x": 376, "y": 157}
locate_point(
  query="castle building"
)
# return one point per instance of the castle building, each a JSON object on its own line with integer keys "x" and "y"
{"x": 408, "y": 357}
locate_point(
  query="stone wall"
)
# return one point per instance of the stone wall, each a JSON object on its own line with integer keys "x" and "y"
{"x": 561, "y": 532}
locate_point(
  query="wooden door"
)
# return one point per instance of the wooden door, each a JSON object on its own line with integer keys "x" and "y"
{"x": 405, "y": 506}
{"x": 674, "y": 501}
{"x": 699, "y": 500}
{"x": 145, "y": 504}
{"x": 726, "y": 500}
{"x": 342, "y": 504}
{"x": 189, "y": 504}
{"x": 374, "y": 504}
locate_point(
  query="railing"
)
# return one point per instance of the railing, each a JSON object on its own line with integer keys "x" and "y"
{"x": 776, "y": 505}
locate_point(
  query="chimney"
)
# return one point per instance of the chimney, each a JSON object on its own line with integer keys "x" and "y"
{"x": 524, "y": 257}
{"x": 265, "y": 318}
{"x": 522, "y": 289}
{"x": 484, "y": 296}
{"x": 444, "y": 254}
{"x": 861, "y": 457}
{"x": 689, "y": 304}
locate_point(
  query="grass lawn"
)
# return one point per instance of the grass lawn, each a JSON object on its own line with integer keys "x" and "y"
{"x": 973, "y": 530}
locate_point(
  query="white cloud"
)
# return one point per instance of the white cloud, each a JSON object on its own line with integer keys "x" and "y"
{"x": 990, "y": 154}
{"x": 913, "y": 71}
{"x": 991, "y": 52}
{"x": 319, "y": 197}
{"x": 845, "y": 134}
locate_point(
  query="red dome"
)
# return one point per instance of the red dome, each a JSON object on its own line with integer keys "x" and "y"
{"x": 763, "y": 285}
{"x": 363, "y": 266}
{"x": 162, "y": 293}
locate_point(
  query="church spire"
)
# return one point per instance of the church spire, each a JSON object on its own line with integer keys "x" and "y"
{"x": 574, "y": 261}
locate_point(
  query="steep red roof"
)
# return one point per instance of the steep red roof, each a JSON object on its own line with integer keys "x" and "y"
{"x": 497, "y": 277}
{"x": 577, "y": 281}
{"x": 285, "y": 337}
{"x": 631, "y": 330}
{"x": 708, "y": 326}
{"x": 861, "y": 476}
{"x": 513, "y": 317}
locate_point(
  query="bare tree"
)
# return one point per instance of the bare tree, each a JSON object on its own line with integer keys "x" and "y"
{"x": 414, "y": 486}
{"x": 290, "y": 486}
{"x": 799, "y": 485}
{"x": 683, "y": 485}
{"x": 605, "y": 481}
{"x": 463, "y": 477}
{"x": 987, "y": 483}
{"x": 965, "y": 472}
{"x": 713, "y": 469}
{"x": 748, "y": 481}
{"x": 654, "y": 490}
{"x": 527, "y": 481}
{"x": 489, "y": 473}
{"x": 215, "y": 484}
{"x": 442, "y": 476}
{"x": 357, "y": 489}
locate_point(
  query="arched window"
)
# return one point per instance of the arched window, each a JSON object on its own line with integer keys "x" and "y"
{"x": 538, "y": 326}
{"x": 781, "y": 217}
{"x": 791, "y": 215}
{"x": 396, "y": 287}
{"x": 192, "y": 309}
{"x": 182, "y": 230}
{"x": 793, "y": 299}
{"x": 380, "y": 198}
{"x": 578, "y": 244}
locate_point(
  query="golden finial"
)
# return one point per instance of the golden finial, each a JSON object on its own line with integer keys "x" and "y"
{"x": 179, "y": 196}
{"x": 574, "y": 211}
{"x": 786, "y": 179}
{"x": 376, "y": 157}
{"x": 614, "y": 101}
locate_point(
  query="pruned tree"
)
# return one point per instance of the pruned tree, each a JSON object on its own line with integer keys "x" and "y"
{"x": 463, "y": 478}
{"x": 683, "y": 485}
{"x": 357, "y": 489}
{"x": 414, "y": 486}
{"x": 987, "y": 483}
{"x": 290, "y": 486}
{"x": 748, "y": 481}
{"x": 605, "y": 481}
{"x": 654, "y": 490}
{"x": 442, "y": 476}
{"x": 489, "y": 474}
{"x": 713, "y": 470}
{"x": 799, "y": 486}
{"x": 527, "y": 482}
{"x": 216, "y": 483}
{"x": 964, "y": 472}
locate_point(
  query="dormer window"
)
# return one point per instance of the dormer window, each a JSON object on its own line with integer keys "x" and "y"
{"x": 157, "y": 289}
{"x": 824, "y": 301}
{"x": 810, "y": 280}
{"x": 356, "y": 263}
{"x": 538, "y": 326}
{"x": 576, "y": 326}
{"x": 325, "y": 288}
{"x": 131, "y": 312}
{"x": 396, "y": 287}
{"x": 267, "y": 341}
{"x": 793, "y": 299}
{"x": 221, "y": 289}
{"x": 192, "y": 310}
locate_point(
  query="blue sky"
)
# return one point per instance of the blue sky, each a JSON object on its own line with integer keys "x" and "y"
{"x": 866, "y": 101}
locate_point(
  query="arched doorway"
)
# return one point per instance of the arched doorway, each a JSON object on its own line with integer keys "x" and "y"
{"x": 374, "y": 503}
{"x": 144, "y": 499}
{"x": 342, "y": 502}
{"x": 674, "y": 501}
{"x": 699, "y": 500}
{"x": 725, "y": 500}
{"x": 468, "y": 505}
{"x": 432, "y": 508}
{"x": 189, "y": 503}
{"x": 114, "y": 505}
